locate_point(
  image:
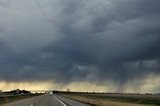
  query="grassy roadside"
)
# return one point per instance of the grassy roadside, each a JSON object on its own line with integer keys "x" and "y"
{"x": 11, "y": 98}
{"x": 101, "y": 100}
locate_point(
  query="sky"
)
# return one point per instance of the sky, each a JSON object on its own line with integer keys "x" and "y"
{"x": 98, "y": 45}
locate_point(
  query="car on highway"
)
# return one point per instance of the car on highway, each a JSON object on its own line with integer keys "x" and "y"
{"x": 50, "y": 93}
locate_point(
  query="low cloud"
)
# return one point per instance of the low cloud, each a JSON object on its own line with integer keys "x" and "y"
{"x": 79, "y": 41}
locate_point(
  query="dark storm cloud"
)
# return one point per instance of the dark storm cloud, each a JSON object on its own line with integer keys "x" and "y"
{"x": 66, "y": 40}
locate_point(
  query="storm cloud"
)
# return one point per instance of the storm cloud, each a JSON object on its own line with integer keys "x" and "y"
{"x": 79, "y": 40}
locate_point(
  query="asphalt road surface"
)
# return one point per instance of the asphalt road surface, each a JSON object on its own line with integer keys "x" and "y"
{"x": 47, "y": 100}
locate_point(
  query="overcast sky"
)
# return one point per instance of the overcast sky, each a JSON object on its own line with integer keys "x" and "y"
{"x": 79, "y": 40}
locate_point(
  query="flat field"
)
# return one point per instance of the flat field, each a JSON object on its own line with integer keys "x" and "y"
{"x": 11, "y": 98}
{"x": 115, "y": 99}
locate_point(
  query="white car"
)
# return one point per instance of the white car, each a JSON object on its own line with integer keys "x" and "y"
{"x": 51, "y": 93}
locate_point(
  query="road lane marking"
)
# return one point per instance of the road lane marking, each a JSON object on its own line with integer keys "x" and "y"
{"x": 35, "y": 102}
{"x": 60, "y": 101}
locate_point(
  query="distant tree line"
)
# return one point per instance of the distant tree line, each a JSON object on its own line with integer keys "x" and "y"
{"x": 17, "y": 92}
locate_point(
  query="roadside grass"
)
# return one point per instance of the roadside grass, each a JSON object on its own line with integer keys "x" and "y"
{"x": 11, "y": 98}
{"x": 101, "y": 100}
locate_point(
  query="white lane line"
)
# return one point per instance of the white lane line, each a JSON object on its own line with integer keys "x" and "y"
{"x": 35, "y": 102}
{"x": 60, "y": 101}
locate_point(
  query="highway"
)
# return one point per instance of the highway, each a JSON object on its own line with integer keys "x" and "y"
{"x": 46, "y": 100}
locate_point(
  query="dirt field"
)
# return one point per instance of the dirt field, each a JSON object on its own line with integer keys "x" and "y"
{"x": 115, "y": 99}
